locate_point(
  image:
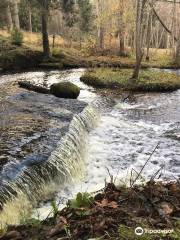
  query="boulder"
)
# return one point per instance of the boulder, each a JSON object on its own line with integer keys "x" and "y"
{"x": 65, "y": 90}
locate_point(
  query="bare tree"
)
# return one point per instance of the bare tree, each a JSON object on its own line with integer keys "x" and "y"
{"x": 177, "y": 54}
{"x": 121, "y": 28}
{"x": 149, "y": 33}
{"x": 15, "y": 13}
{"x": 8, "y": 18}
{"x": 45, "y": 16}
{"x": 100, "y": 30}
{"x": 161, "y": 21}
{"x": 140, "y": 13}
{"x": 29, "y": 18}
{"x": 5, "y": 7}
{"x": 177, "y": 59}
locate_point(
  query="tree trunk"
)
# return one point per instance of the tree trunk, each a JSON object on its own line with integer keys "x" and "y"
{"x": 160, "y": 20}
{"x": 8, "y": 18}
{"x": 15, "y": 14}
{"x": 45, "y": 13}
{"x": 148, "y": 40}
{"x": 29, "y": 19}
{"x": 101, "y": 37}
{"x": 121, "y": 44}
{"x": 173, "y": 30}
{"x": 121, "y": 29}
{"x": 139, "y": 37}
{"x": 100, "y": 30}
{"x": 177, "y": 56}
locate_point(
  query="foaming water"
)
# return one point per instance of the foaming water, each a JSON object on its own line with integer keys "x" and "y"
{"x": 128, "y": 134}
{"x": 65, "y": 165}
{"x": 123, "y": 139}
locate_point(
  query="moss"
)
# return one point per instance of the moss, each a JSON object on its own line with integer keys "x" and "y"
{"x": 17, "y": 57}
{"x": 20, "y": 58}
{"x": 149, "y": 80}
{"x": 65, "y": 90}
{"x": 128, "y": 233}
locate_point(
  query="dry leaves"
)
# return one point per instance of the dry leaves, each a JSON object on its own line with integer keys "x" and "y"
{"x": 106, "y": 203}
{"x": 62, "y": 222}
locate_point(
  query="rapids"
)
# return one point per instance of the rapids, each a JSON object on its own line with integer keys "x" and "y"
{"x": 105, "y": 135}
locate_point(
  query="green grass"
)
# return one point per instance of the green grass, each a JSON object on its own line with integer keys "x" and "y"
{"x": 149, "y": 80}
{"x": 128, "y": 233}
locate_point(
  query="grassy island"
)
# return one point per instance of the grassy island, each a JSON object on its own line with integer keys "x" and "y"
{"x": 149, "y": 80}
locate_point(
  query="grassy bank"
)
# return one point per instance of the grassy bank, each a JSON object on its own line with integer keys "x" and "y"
{"x": 114, "y": 213}
{"x": 63, "y": 56}
{"x": 17, "y": 57}
{"x": 149, "y": 80}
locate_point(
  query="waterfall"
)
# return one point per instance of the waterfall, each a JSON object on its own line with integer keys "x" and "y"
{"x": 64, "y": 165}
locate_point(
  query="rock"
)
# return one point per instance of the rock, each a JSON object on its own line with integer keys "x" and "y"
{"x": 65, "y": 90}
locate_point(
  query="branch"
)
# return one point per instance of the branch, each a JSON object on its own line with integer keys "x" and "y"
{"x": 168, "y": 1}
{"x": 160, "y": 20}
{"x": 139, "y": 174}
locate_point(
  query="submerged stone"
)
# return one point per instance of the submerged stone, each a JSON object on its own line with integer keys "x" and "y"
{"x": 65, "y": 90}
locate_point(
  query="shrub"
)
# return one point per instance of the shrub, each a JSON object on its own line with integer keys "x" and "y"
{"x": 16, "y": 37}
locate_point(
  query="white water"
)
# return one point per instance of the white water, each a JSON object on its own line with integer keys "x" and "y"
{"x": 125, "y": 136}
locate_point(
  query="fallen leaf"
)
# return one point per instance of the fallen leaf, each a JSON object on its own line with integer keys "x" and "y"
{"x": 106, "y": 203}
{"x": 165, "y": 209}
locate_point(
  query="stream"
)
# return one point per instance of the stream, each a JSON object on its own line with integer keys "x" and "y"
{"x": 76, "y": 144}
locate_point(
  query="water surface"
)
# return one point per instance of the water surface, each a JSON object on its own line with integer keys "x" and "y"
{"x": 126, "y": 133}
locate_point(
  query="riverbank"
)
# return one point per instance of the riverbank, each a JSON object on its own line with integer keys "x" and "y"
{"x": 149, "y": 80}
{"x": 114, "y": 213}
{"x": 29, "y": 56}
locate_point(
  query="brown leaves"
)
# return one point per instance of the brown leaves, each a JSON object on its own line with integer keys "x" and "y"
{"x": 106, "y": 203}
{"x": 60, "y": 226}
{"x": 165, "y": 209}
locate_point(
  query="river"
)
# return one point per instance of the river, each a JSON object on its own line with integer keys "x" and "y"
{"x": 110, "y": 136}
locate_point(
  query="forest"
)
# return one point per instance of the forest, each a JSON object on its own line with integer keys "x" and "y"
{"x": 89, "y": 119}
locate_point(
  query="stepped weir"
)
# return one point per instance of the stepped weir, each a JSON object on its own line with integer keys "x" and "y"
{"x": 65, "y": 163}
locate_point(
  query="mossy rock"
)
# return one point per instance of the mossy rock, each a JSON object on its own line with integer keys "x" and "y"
{"x": 65, "y": 90}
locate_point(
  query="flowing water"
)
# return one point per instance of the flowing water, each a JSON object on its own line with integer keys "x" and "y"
{"x": 109, "y": 135}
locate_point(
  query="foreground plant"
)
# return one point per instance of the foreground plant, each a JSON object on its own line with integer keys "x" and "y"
{"x": 81, "y": 204}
